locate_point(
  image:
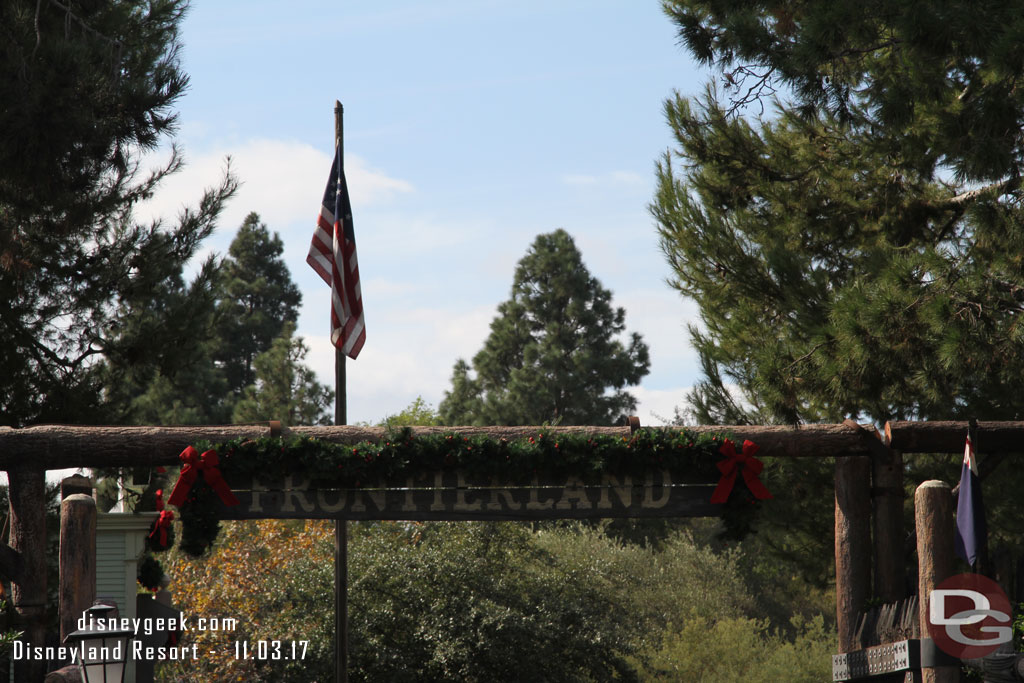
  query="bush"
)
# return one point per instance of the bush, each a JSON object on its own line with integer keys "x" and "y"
{"x": 486, "y": 602}
{"x": 740, "y": 649}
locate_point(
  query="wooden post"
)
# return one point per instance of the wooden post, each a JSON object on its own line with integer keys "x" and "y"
{"x": 77, "y": 559}
{"x": 887, "y": 497}
{"x": 853, "y": 545}
{"x": 27, "y": 494}
{"x": 933, "y": 516}
{"x": 340, "y": 525}
{"x": 76, "y": 483}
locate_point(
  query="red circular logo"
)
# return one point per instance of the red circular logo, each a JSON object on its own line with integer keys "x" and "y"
{"x": 969, "y": 616}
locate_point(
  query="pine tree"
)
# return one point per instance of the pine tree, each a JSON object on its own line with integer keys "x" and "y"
{"x": 244, "y": 307}
{"x": 855, "y": 248}
{"x": 846, "y": 211}
{"x": 256, "y": 299}
{"x": 553, "y": 354}
{"x": 285, "y": 388}
{"x": 85, "y": 88}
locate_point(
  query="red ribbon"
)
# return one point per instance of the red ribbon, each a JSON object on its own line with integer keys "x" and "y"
{"x": 161, "y": 525}
{"x": 732, "y": 465}
{"x": 159, "y": 500}
{"x": 194, "y": 464}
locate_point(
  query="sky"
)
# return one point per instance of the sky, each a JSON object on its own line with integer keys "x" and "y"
{"x": 470, "y": 127}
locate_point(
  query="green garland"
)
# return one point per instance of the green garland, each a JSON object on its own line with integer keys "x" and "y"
{"x": 400, "y": 454}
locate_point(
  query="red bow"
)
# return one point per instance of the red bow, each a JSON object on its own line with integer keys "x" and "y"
{"x": 161, "y": 525}
{"x": 732, "y": 465}
{"x": 193, "y": 465}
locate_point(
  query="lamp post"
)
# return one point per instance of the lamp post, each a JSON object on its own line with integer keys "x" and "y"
{"x": 100, "y": 651}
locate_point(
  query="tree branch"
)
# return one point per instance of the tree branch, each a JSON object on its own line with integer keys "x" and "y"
{"x": 995, "y": 189}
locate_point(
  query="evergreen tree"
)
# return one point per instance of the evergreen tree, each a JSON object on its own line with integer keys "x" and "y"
{"x": 248, "y": 300}
{"x": 85, "y": 88}
{"x": 846, "y": 211}
{"x": 857, "y": 250}
{"x": 552, "y": 355}
{"x": 256, "y": 299}
{"x": 285, "y": 388}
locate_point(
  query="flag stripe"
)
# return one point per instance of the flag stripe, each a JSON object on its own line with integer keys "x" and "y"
{"x": 332, "y": 254}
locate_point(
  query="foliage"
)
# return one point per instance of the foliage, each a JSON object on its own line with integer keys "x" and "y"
{"x": 935, "y": 81}
{"x": 87, "y": 89}
{"x": 249, "y": 306}
{"x": 257, "y": 299}
{"x": 857, "y": 251}
{"x": 478, "y": 602}
{"x": 419, "y": 413}
{"x": 855, "y": 242}
{"x": 656, "y": 587}
{"x": 7, "y": 637}
{"x": 740, "y": 649}
{"x": 485, "y": 601}
{"x": 552, "y": 355}
{"x": 274, "y": 578}
{"x": 285, "y": 388}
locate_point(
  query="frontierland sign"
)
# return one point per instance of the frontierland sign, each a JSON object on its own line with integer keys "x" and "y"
{"x": 452, "y": 495}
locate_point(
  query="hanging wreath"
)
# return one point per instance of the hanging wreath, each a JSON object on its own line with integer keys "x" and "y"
{"x": 150, "y": 573}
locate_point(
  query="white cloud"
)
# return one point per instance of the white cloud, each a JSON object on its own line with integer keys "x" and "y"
{"x": 281, "y": 180}
{"x": 657, "y": 406}
{"x": 407, "y": 354}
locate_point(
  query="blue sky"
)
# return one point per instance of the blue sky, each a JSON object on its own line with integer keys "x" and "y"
{"x": 471, "y": 126}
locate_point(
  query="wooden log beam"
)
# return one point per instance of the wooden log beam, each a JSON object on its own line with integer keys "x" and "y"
{"x": 949, "y": 437}
{"x": 27, "y": 495}
{"x": 852, "y": 546}
{"x": 77, "y": 560}
{"x": 67, "y": 446}
{"x": 933, "y": 515}
{"x": 67, "y": 674}
{"x": 887, "y": 518}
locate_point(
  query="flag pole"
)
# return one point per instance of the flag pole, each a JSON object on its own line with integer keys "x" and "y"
{"x": 340, "y": 404}
{"x": 340, "y": 525}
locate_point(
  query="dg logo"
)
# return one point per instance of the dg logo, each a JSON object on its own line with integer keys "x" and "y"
{"x": 969, "y": 616}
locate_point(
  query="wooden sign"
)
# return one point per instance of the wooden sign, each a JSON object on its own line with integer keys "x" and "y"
{"x": 454, "y": 496}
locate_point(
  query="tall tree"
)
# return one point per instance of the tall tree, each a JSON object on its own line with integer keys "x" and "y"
{"x": 855, "y": 247}
{"x": 85, "y": 88}
{"x": 256, "y": 299}
{"x": 553, "y": 354}
{"x": 285, "y": 388}
{"x": 846, "y": 211}
{"x": 249, "y": 299}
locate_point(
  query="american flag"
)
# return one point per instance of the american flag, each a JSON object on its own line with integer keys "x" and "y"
{"x": 333, "y": 256}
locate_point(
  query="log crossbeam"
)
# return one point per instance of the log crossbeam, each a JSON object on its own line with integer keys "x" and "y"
{"x": 68, "y": 446}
